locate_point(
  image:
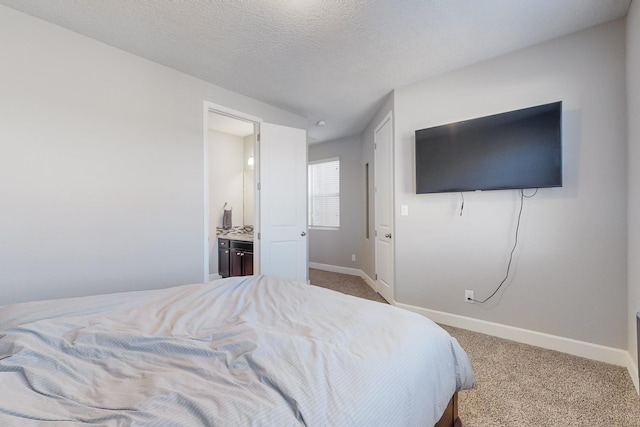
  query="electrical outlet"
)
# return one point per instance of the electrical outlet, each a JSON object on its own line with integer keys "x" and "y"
{"x": 353, "y": 257}
{"x": 468, "y": 296}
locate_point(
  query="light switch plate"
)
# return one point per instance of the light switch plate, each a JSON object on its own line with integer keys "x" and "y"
{"x": 404, "y": 210}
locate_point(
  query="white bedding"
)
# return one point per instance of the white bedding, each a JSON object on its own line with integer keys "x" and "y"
{"x": 235, "y": 352}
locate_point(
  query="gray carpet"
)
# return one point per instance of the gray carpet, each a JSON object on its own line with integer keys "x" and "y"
{"x": 524, "y": 386}
{"x": 347, "y": 284}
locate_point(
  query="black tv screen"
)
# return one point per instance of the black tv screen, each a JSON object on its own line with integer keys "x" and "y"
{"x": 517, "y": 149}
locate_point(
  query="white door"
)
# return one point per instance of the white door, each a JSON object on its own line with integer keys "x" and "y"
{"x": 383, "y": 184}
{"x": 283, "y": 202}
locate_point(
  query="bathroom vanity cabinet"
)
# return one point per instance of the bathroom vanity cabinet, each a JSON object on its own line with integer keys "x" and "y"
{"x": 235, "y": 257}
{"x": 241, "y": 262}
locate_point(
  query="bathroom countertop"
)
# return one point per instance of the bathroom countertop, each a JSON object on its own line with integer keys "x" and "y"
{"x": 236, "y": 233}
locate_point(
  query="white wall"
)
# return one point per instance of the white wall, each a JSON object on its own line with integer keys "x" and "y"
{"x": 101, "y": 165}
{"x": 633, "y": 105}
{"x": 226, "y": 177}
{"x": 335, "y": 247}
{"x": 569, "y": 276}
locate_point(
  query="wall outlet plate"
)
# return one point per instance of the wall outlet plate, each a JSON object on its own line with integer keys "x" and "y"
{"x": 468, "y": 296}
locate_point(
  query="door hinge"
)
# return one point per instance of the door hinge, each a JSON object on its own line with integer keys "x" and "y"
{"x": 258, "y": 236}
{"x": 259, "y": 186}
{"x": 375, "y": 233}
{"x": 375, "y": 146}
{"x": 258, "y": 136}
{"x": 376, "y": 276}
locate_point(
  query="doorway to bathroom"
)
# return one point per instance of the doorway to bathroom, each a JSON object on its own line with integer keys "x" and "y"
{"x": 231, "y": 189}
{"x": 278, "y": 218}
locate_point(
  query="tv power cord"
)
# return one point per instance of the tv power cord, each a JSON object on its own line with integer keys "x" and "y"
{"x": 515, "y": 244}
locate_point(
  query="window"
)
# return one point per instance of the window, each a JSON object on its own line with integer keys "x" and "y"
{"x": 324, "y": 193}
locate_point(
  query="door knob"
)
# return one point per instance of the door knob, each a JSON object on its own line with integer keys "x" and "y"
{"x": 303, "y": 234}
{"x": 388, "y": 235}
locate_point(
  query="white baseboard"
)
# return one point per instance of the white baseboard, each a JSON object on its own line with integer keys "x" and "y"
{"x": 633, "y": 371}
{"x": 335, "y": 269}
{"x": 345, "y": 270}
{"x": 587, "y": 350}
{"x": 368, "y": 280}
{"x": 214, "y": 277}
{"x": 584, "y": 349}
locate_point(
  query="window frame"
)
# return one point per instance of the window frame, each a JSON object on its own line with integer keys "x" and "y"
{"x": 310, "y": 194}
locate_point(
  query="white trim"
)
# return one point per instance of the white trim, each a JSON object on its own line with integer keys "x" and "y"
{"x": 584, "y": 349}
{"x": 213, "y": 277}
{"x": 217, "y": 108}
{"x": 310, "y": 196}
{"x": 345, "y": 270}
{"x": 205, "y": 160}
{"x": 335, "y": 269}
{"x": 633, "y": 371}
{"x": 330, "y": 159}
{"x": 369, "y": 281}
{"x": 591, "y": 351}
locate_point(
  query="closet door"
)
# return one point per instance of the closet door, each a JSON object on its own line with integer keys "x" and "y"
{"x": 383, "y": 159}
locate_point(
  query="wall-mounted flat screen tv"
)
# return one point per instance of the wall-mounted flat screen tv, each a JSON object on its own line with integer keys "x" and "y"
{"x": 512, "y": 150}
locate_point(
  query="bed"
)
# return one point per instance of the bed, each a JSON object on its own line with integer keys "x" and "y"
{"x": 240, "y": 351}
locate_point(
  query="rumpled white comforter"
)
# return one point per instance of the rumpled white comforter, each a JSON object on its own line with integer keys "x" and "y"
{"x": 247, "y": 351}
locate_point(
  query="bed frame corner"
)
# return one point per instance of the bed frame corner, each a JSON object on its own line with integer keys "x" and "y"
{"x": 450, "y": 417}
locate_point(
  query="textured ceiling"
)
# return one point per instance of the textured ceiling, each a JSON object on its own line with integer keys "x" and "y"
{"x": 331, "y": 60}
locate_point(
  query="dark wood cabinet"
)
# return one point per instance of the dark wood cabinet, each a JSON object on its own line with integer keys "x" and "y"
{"x": 235, "y": 258}
{"x": 224, "y": 257}
{"x": 247, "y": 264}
{"x": 241, "y": 263}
